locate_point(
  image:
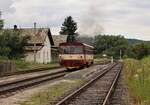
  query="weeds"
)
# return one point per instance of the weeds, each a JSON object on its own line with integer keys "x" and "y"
{"x": 52, "y": 93}
{"x": 137, "y": 77}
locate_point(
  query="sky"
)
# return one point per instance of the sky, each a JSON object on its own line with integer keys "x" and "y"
{"x": 130, "y": 18}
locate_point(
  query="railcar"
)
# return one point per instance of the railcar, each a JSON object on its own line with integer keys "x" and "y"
{"x": 75, "y": 55}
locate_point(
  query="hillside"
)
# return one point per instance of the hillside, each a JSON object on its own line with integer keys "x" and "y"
{"x": 134, "y": 41}
{"x": 90, "y": 40}
{"x": 87, "y": 40}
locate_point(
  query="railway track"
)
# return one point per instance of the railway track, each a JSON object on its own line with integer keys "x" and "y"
{"x": 14, "y": 85}
{"x": 9, "y": 88}
{"x": 26, "y": 71}
{"x": 97, "y": 91}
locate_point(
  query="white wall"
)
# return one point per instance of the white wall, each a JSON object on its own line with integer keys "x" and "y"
{"x": 42, "y": 56}
{"x": 29, "y": 57}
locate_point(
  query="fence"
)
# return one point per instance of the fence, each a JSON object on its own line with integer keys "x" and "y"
{"x": 7, "y": 67}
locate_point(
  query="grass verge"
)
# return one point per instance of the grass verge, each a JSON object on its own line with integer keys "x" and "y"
{"x": 21, "y": 65}
{"x": 52, "y": 93}
{"x": 137, "y": 77}
{"x": 24, "y": 66}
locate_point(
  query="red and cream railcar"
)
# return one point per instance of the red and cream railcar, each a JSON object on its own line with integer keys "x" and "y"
{"x": 75, "y": 55}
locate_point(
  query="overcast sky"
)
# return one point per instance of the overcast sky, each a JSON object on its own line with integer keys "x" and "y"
{"x": 130, "y": 18}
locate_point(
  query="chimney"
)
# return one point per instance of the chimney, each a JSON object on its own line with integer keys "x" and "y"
{"x": 34, "y": 25}
{"x": 15, "y": 27}
{"x": 34, "y": 28}
{"x": 34, "y": 42}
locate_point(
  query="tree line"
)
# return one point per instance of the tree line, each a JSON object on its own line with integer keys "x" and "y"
{"x": 12, "y": 44}
{"x": 108, "y": 44}
{"x": 115, "y": 45}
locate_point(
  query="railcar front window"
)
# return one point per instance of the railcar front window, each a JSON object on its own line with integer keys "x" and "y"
{"x": 78, "y": 49}
{"x": 71, "y": 49}
{"x": 64, "y": 50}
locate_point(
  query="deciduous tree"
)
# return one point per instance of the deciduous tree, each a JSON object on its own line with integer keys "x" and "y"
{"x": 110, "y": 45}
{"x": 1, "y": 24}
{"x": 12, "y": 44}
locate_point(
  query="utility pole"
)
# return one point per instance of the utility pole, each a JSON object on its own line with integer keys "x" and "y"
{"x": 112, "y": 59}
{"x": 0, "y": 14}
{"x": 120, "y": 54}
{"x": 34, "y": 48}
{"x": 1, "y": 21}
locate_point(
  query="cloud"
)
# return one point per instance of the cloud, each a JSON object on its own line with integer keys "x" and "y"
{"x": 91, "y": 21}
{"x": 127, "y": 17}
{"x": 5, "y": 5}
{"x": 44, "y": 12}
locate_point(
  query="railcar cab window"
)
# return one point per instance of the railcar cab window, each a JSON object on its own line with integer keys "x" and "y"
{"x": 71, "y": 49}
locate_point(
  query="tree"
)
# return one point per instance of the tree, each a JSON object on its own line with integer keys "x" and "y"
{"x": 110, "y": 45}
{"x": 12, "y": 44}
{"x": 141, "y": 50}
{"x": 69, "y": 27}
{"x": 1, "y": 24}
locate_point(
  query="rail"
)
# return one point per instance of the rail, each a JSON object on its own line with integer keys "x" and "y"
{"x": 9, "y": 87}
{"x": 112, "y": 88}
{"x": 80, "y": 90}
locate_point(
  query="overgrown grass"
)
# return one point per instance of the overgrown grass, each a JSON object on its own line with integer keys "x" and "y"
{"x": 137, "y": 77}
{"x": 3, "y": 58}
{"x": 22, "y": 65}
{"x": 52, "y": 93}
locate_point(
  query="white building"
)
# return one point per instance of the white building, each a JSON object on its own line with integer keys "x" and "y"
{"x": 42, "y": 46}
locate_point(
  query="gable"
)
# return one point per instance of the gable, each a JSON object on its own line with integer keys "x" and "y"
{"x": 59, "y": 39}
{"x": 37, "y": 38}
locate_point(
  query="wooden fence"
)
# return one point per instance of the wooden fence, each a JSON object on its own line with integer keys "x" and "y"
{"x": 7, "y": 67}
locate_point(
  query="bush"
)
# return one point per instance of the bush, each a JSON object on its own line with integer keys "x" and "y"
{"x": 12, "y": 43}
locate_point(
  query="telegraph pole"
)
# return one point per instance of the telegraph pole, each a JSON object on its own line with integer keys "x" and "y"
{"x": 0, "y": 14}
{"x": 1, "y": 21}
{"x": 120, "y": 54}
{"x": 34, "y": 48}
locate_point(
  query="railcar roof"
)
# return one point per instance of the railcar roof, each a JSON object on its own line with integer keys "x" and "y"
{"x": 87, "y": 45}
{"x": 76, "y": 43}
